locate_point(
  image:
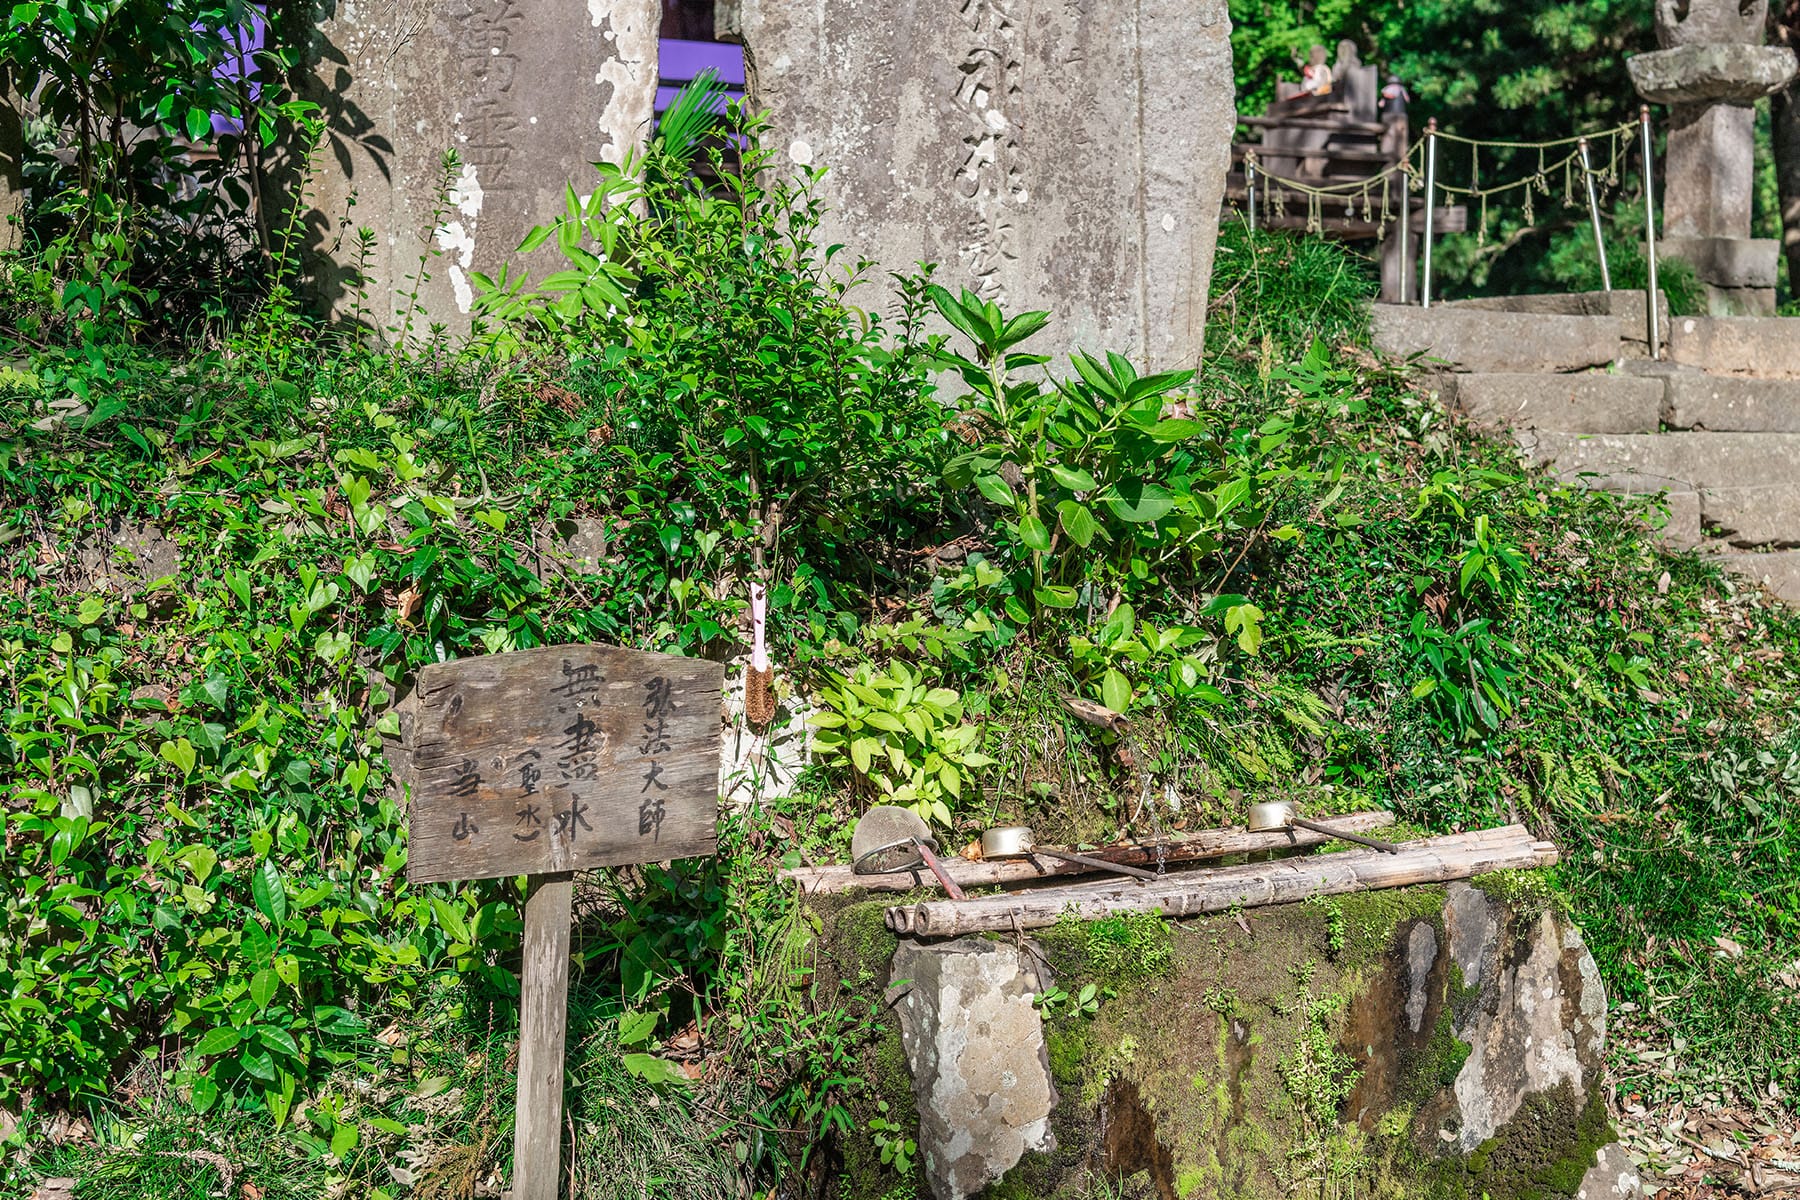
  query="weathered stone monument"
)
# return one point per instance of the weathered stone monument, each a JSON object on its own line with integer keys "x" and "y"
{"x": 1068, "y": 157}
{"x": 1711, "y": 68}
{"x": 528, "y": 95}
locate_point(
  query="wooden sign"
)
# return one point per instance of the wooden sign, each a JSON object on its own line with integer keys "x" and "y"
{"x": 543, "y": 762}
{"x": 564, "y": 758}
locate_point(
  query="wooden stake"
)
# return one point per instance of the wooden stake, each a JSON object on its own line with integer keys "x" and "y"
{"x": 543, "y": 1027}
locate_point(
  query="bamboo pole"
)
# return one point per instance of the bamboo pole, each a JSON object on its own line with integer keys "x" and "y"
{"x": 1210, "y": 843}
{"x": 1432, "y": 860}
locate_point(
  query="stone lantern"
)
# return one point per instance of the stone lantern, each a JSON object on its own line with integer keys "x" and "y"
{"x": 1711, "y": 68}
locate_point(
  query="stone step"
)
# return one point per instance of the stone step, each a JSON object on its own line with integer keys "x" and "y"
{"x": 1768, "y": 347}
{"x": 1778, "y": 570}
{"x": 1473, "y": 339}
{"x": 1648, "y": 462}
{"x": 1580, "y": 403}
{"x": 1732, "y": 403}
{"x": 1627, "y": 306}
{"x": 1752, "y": 516}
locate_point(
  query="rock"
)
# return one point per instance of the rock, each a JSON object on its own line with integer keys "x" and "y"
{"x": 1777, "y": 570}
{"x": 975, "y": 1045}
{"x": 1068, "y": 157}
{"x": 1765, "y": 346}
{"x": 1441, "y": 1041}
{"x": 573, "y": 545}
{"x": 758, "y": 767}
{"x": 12, "y": 166}
{"x": 1723, "y": 72}
{"x": 1539, "y": 1023}
{"x": 528, "y": 95}
{"x": 128, "y": 558}
{"x": 1612, "y": 1177}
{"x": 1653, "y": 462}
{"x": 1421, "y": 956}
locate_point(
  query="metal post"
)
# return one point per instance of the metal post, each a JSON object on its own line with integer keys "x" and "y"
{"x": 1587, "y": 173}
{"x": 1250, "y": 188}
{"x": 1430, "y": 188}
{"x": 1652, "y": 292}
{"x": 1405, "y": 237}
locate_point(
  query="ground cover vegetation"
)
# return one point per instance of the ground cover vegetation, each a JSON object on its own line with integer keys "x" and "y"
{"x": 1293, "y": 571}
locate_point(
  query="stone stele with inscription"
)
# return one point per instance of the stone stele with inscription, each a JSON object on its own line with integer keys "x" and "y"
{"x": 563, "y": 758}
{"x": 529, "y": 95}
{"x": 1067, "y": 156}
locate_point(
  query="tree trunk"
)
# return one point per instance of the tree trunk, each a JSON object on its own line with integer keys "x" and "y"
{"x": 1785, "y": 109}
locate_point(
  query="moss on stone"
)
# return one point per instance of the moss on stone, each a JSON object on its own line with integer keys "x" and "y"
{"x": 1528, "y": 894}
{"x": 1543, "y": 1152}
{"x": 1370, "y": 919}
{"x": 855, "y": 953}
{"x": 1123, "y": 949}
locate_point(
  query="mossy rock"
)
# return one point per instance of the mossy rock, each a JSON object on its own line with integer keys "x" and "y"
{"x": 1315, "y": 1053}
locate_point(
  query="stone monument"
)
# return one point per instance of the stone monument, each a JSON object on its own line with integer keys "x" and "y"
{"x": 528, "y": 95}
{"x": 1711, "y": 68}
{"x": 1068, "y": 157}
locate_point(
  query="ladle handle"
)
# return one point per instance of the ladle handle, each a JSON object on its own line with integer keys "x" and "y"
{"x": 1359, "y": 839}
{"x": 1099, "y": 864}
{"x": 937, "y": 868}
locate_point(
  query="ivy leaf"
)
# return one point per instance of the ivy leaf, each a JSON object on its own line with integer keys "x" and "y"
{"x": 1139, "y": 502}
{"x": 997, "y": 490}
{"x": 636, "y": 1028}
{"x": 180, "y": 754}
{"x": 1078, "y": 522}
{"x": 653, "y": 1070}
{"x": 1073, "y": 478}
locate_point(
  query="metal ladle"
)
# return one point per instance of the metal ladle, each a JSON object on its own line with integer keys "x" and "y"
{"x": 1279, "y": 815}
{"x": 1014, "y": 841}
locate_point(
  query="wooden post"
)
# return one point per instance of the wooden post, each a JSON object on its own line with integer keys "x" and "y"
{"x": 543, "y": 1027}
{"x": 541, "y": 762}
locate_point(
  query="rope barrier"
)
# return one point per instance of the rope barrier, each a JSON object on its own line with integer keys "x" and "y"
{"x": 1275, "y": 192}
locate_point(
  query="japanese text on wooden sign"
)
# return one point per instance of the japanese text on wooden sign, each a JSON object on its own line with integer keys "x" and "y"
{"x": 563, "y": 758}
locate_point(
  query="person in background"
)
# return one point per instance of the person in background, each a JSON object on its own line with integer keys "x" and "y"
{"x": 1394, "y": 97}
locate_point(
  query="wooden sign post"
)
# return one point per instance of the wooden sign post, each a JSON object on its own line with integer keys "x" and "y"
{"x": 542, "y": 763}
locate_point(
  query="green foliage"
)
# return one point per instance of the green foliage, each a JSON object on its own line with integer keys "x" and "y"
{"x": 136, "y": 230}
{"x": 756, "y": 421}
{"x": 892, "y": 1140}
{"x": 1096, "y": 485}
{"x": 1055, "y": 1002}
{"x": 905, "y": 739}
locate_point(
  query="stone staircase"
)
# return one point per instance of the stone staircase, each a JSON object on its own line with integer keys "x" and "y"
{"x": 1715, "y": 424}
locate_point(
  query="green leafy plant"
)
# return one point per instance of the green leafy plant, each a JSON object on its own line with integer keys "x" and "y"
{"x": 1056, "y": 1002}
{"x": 905, "y": 739}
{"x": 892, "y": 1140}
